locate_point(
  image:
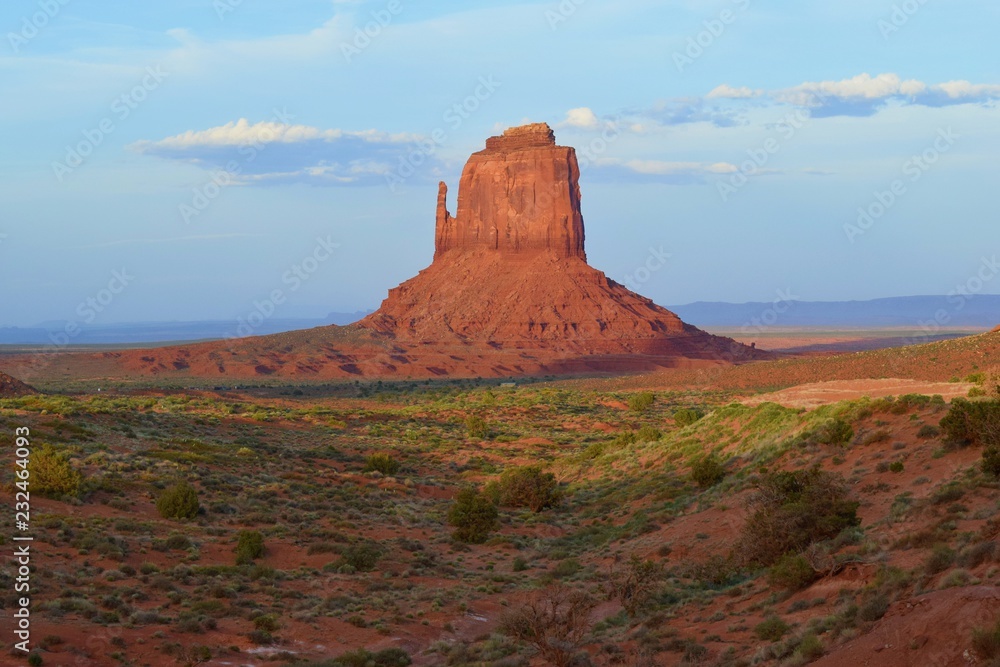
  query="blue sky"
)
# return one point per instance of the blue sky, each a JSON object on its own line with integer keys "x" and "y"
{"x": 218, "y": 151}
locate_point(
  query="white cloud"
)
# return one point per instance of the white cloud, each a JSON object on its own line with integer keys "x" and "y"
{"x": 280, "y": 152}
{"x": 242, "y": 133}
{"x": 860, "y": 87}
{"x": 957, "y": 90}
{"x": 725, "y": 91}
{"x": 581, "y": 117}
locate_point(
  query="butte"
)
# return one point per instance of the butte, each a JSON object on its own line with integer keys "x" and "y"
{"x": 508, "y": 293}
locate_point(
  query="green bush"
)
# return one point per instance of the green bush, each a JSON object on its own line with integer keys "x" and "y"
{"x": 473, "y": 515}
{"x": 791, "y": 572}
{"x": 873, "y": 608}
{"x": 390, "y": 657}
{"x": 810, "y": 648}
{"x": 771, "y": 629}
{"x": 972, "y": 423}
{"x": 477, "y": 428}
{"x": 51, "y": 472}
{"x": 249, "y": 546}
{"x": 791, "y": 510}
{"x": 687, "y": 416}
{"x": 362, "y": 556}
{"x": 642, "y": 401}
{"x": 178, "y": 502}
{"x": 991, "y": 461}
{"x": 525, "y": 487}
{"x": 928, "y": 432}
{"x": 649, "y": 434}
{"x": 986, "y": 643}
{"x": 383, "y": 463}
{"x": 896, "y": 466}
{"x": 708, "y": 471}
{"x": 834, "y": 432}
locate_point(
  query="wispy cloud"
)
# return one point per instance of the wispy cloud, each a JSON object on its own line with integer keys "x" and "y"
{"x": 276, "y": 152}
{"x": 657, "y": 171}
{"x": 865, "y": 95}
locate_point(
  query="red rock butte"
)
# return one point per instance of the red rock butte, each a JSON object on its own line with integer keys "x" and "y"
{"x": 521, "y": 195}
{"x": 509, "y": 292}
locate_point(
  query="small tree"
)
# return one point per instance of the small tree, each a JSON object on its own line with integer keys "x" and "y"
{"x": 791, "y": 572}
{"x": 556, "y": 621}
{"x": 178, "y": 502}
{"x": 687, "y": 416}
{"x": 474, "y": 516}
{"x": 249, "y": 546}
{"x": 708, "y": 471}
{"x": 383, "y": 463}
{"x": 525, "y": 487}
{"x": 52, "y": 474}
{"x": 477, "y": 427}
{"x": 642, "y": 401}
{"x": 975, "y": 423}
{"x": 634, "y": 584}
{"x": 791, "y": 510}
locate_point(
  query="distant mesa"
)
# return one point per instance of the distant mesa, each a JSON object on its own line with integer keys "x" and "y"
{"x": 508, "y": 293}
{"x": 12, "y": 387}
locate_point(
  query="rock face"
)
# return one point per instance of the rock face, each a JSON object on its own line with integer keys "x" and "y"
{"x": 12, "y": 387}
{"x": 519, "y": 196}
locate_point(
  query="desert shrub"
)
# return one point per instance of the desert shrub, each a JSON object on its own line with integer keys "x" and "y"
{"x": 791, "y": 510}
{"x": 986, "y": 643}
{"x": 810, "y": 648}
{"x": 35, "y": 659}
{"x": 362, "y": 556}
{"x": 940, "y": 560}
{"x": 642, "y": 401}
{"x": 649, "y": 434}
{"x": 972, "y": 423}
{"x": 687, "y": 416}
{"x": 875, "y": 437}
{"x": 51, "y": 472}
{"x": 267, "y": 623}
{"x": 626, "y": 438}
{"x": 834, "y": 431}
{"x": 477, "y": 428}
{"x": 707, "y": 471}
{"x": 390, "y": 657}
{"x": 474, "y": 516}
{"x": 180, "y": 501}
{"x": 556, "y": 621}
{"x": 873, "y": 608}
{"x": 896, "y": 466}
{"x": 525, "y": 487}
{"x": 928, "y": 432}
{"x": 991, "y": 461}
{"x": 975, "y": 555}
{"x": 383, "y": 463}
{"x": 249, "y": 546}
{"x": 771, "y": 629}
{"x": 566, "y": 568}
{"x": 791, "y": 572}
{"x": 634, "y": 584}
